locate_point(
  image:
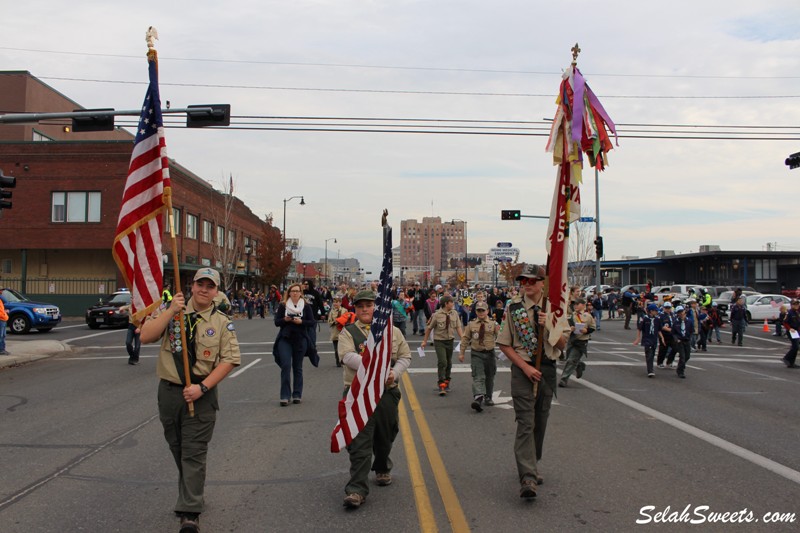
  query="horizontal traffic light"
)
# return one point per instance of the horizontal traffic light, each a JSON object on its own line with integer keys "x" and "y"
{"x": 510, "y": 214}
{"x": 793, "y": 161}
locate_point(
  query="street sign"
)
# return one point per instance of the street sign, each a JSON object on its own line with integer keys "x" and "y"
{"x": 504, "y": 245}
{"x": 498, "y": 252}
{"x": 503, "y": 259}
{"x": 586, "y": 219}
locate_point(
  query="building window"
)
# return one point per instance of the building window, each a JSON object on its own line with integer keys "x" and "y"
{"x": 766, "y": 269}
{"x": 208, "y": 233}
{"x": 39, "y": 136}
{"x": 176, "y": 218}
{"x": 220, "y": 236}
{"x": 231, "y": 238}
{"x": 76, "y": 206}
{"x": 191, "y": 226}
{"x": 6, "y": 266}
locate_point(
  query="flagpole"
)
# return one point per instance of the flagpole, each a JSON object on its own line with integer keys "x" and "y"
{"x": 152, "y": 55}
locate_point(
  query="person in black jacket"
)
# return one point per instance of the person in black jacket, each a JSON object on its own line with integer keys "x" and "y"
{"x": 792, "y": 326}
{"x": 294, "y": 318}
{"x": 314, "y": 299}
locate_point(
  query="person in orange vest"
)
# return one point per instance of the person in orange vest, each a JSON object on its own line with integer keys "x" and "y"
{"x": 3, "y": 320}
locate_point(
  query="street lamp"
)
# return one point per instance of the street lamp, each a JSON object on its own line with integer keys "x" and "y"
{"x": 326, "y": 256}
{"x": 247, "y": 251}
{"x": 453, "y": 223}
{"x": 285, "y": 201}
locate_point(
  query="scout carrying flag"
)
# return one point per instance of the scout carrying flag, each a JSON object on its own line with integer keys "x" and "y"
{"x": 368, "y": 384}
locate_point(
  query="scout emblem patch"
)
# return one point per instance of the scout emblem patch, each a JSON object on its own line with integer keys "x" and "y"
{"x": 210, "y": 332}
{"x": 526, "y": 330}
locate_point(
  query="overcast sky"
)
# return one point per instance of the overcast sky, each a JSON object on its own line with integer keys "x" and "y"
{"x": 694, "y": 63}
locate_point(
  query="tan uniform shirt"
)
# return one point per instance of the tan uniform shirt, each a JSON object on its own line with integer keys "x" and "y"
{"x": 401, "y": 353}
{"x": 472, "y": 335}
{"x": 585, "y": 318}
{"x": 508, "y": 334}
{"x": 215, "y": 342}
{"x": 438, "y": 323}
{"x": 332, "y": 316}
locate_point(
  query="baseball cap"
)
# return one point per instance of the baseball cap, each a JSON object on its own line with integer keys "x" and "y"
{"x": 580, "y": 300}
{"x": 667, "y": 304}
{"x": 532, "y": 271}
{"x": 679, "y": 309}
{"x": 481, "y": 306}
{"x": 207, "y": 273}
{"x": 438, "y": 287}
{"x": 652, "y": 307}
{"x": 364, "y": 295}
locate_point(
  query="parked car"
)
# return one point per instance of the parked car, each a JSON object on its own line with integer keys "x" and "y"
{"x": 639, "y": 288}
{"x": 680, "y": 292}
{"x": 662, "y": 294}
{"x": 724, "y": 301}
{"x": 24, "y": 314}
{"x": 765, "y": 306}
{"x": 107, "y": 311}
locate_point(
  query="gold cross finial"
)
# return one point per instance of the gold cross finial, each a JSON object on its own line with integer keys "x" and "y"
{"x": 575, "y": 51}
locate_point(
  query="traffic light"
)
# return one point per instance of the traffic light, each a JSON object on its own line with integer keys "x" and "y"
{"x": 104, "y": 122}
{"x": 598, "y": 246}
{"x": 220, "y": 115}
{"x": 793, "y": 161}
{"x": 6, "y": 182}
{"x": 509, "y": 214}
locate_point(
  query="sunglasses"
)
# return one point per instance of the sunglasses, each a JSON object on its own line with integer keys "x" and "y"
{"x": 529, "y": 281}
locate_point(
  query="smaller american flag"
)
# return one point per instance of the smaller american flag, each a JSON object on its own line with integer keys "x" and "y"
{"x": 368, "y": 385}
{"x": 137, "y": 244}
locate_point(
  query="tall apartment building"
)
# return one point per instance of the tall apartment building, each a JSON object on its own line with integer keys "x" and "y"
{"x": 432, "y": 243}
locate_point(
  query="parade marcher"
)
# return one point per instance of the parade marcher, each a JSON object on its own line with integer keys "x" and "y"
{"x": 597, "y": 310}
{"x": 399, "y": 311}
{"x": 314, "y": 299}
{"x": 431, "y": 305}
{"x": 666, "y": 346}
{"x": 498, "y": 311}
{"x": 418, "y": 315}
{"x": 213, "y": 351}
{"x": 133, "y": 343}
{"x": 649, "y": 330}
{"x": 581, "y": 326}
{"x": 518, "y": 338}
{"x": 693, "y": 314}
{"x": 628, "y": 298}
{"x": 445, "y": 324}
{"x": 683, "y": 329}
{"x": 612, "y": 303}
{"x": 782, "y": 313}
{"x": 792, "y": 327}
{"x": 705, "y": 329}
{"x": 337, "y": 311}
{"x": 371, "y": 448}
{"x": 716, "y": 322}
{"x": 738, "y": 320}
{"x": 3, "y": 323}
{"x": 295, "y": 318}
{"x": 480, "y": 335}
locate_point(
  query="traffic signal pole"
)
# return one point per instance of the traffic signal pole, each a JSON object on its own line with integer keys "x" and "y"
{"x": 597, "y": 232}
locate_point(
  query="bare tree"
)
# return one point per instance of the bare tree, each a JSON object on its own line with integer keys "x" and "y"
{"x": 274, "y": 260}
{"x": 228, "y": 247}
{"x": 509, "y": 271}
{"x": 581, "y": 251}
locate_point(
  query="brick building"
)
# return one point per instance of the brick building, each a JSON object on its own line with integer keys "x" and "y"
{"x": 431, "y": 245}
{"x": 56, "y": 240}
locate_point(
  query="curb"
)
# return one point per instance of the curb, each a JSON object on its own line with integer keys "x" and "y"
{"x": 22, "y": 352}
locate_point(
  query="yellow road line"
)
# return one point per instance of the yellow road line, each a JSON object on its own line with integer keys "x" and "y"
{"x": 458, "y": 521}
{"x": 427, "y": 522}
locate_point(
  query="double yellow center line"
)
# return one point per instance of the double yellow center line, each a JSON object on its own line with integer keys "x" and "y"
{"x": 427, "y": 521}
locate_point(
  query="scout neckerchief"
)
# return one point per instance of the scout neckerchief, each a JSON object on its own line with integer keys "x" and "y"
{"x": 525, "y": 328}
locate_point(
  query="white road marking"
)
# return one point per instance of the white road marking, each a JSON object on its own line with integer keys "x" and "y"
{"x": 747, "y": 455}
{"x": 239, "y": 371}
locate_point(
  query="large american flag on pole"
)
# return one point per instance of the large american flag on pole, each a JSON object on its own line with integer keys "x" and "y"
{"x": 368, "y": 385}
{"x": 137, "y": 244}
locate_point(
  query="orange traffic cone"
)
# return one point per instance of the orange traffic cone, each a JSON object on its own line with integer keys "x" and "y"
{"x": 766, "y": 326}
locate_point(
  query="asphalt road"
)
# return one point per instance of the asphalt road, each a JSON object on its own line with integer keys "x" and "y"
{"x": 83, "y": 448}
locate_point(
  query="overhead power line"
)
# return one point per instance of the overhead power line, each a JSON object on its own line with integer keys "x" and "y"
{"x": 408, "y": 91}
{"x": 395, "y": 67}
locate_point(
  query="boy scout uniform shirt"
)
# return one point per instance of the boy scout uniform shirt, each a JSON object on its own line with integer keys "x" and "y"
{"x": 585, "y": 318}
{"x": 400, "y": 351}
{"x": 438, "y": 323}
{"x": 508, "y": 334}
{"x": 472, "y": 334}
{"x": 332, "y": 316}
{"x": 215, "y": 342}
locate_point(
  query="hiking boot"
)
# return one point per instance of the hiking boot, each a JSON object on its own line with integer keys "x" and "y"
{"x": 442, "y": 389}
{"x": 476, "y": 403}
{"x": 354, "y": 500}
{"x": 383, "y": 478}
{"x": 580, "y": 369}
{"x": 562, "y": 383}
{"x": 527, "y": 489}
{"x": 190, "y": 525}
{"x": 488, "y": 401}
{"x": 447, "y": 385}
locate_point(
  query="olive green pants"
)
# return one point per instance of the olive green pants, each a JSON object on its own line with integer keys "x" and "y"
{"x": 188, "y": 439}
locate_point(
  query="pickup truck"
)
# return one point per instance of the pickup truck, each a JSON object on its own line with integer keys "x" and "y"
{"x": 24, "y": 314}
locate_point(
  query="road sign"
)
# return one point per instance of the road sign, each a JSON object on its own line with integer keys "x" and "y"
{"x": 503, "y": 259}
{"x": 586, "y": 219}
{"x": 504, "y": 245}
{"x": 498, "y": 252}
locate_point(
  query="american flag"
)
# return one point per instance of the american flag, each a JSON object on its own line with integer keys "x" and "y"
{"x": 137, "y": 244}
{"x": 368, "y": 385}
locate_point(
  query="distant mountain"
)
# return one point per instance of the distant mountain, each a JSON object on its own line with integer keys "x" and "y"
{"x": 369, "y": 262}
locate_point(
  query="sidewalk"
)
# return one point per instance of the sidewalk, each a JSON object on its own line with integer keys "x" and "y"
{"x": 27, "y": 351}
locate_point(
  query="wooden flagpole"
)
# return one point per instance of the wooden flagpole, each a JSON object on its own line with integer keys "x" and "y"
{"x": 152, "y": 55}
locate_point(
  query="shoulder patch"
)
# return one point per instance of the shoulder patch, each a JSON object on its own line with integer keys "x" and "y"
{"x": 230, "y": 326}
